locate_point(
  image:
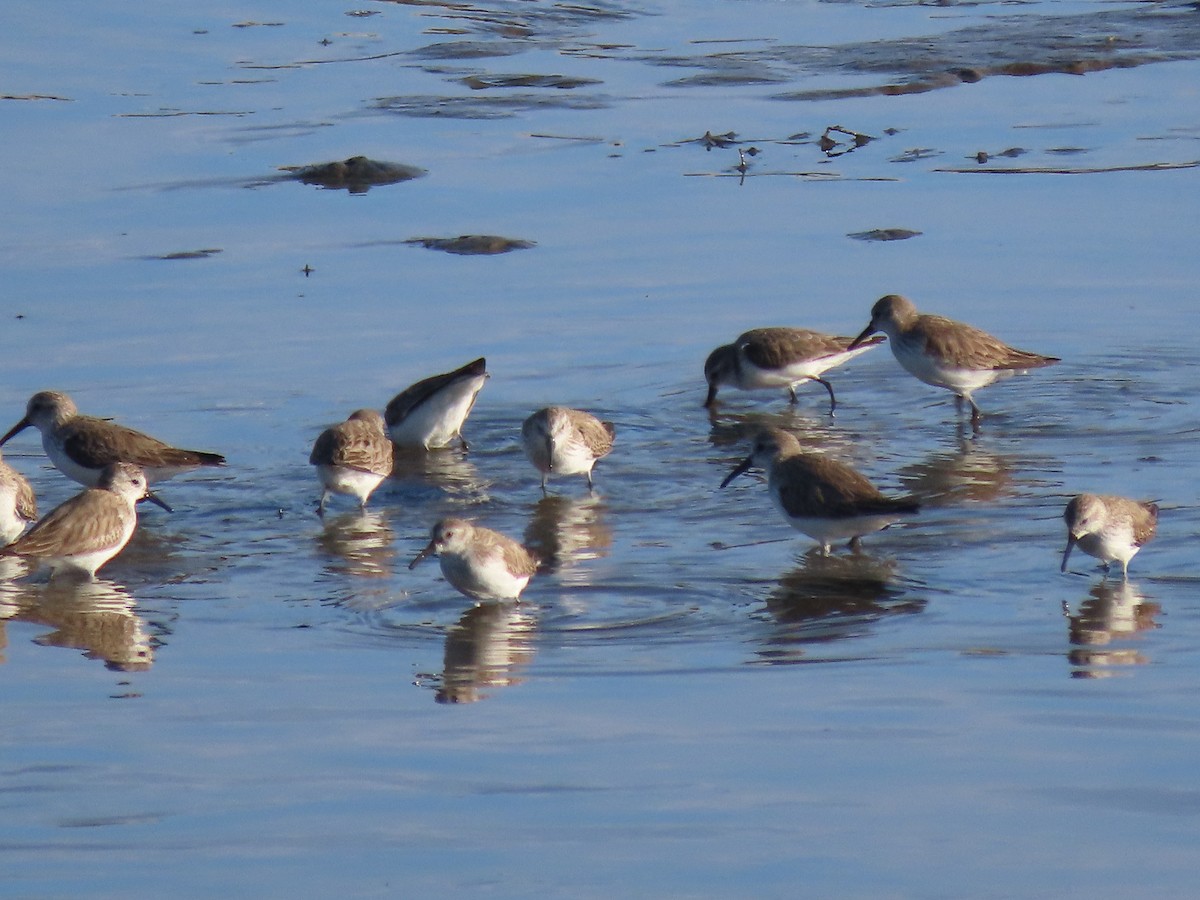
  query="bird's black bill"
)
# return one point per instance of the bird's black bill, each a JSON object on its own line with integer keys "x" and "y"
{"x": 1067, "y": 553}
{"x": 866, "y": 333}
{"x": 158, "y": 501}
{"x": 16, "y": 429}
{"x": 420, "y": 556}
{"x": 743, "y": 466}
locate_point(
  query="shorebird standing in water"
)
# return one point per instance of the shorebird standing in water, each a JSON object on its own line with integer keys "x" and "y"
{"x": 1112, "y": 529}
{"x": 819, "y": 496}
{"x": 82, "y": 447}
{"x": 945, "y": 353}
{"x": 352, "y": 457}
{"x": 779, "y": 358}
{"x": 566, "y": 441}
{"x": 478, "y": 562}
{"x": 85, "y": 532}
{"x": 18, "y": 506}
{"x": 430, "y": 414}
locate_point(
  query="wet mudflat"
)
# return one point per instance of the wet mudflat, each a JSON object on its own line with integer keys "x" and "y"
{"x": 687, "y": 702}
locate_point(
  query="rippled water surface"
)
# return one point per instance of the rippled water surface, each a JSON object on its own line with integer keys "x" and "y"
{"x": 252, "y": 701}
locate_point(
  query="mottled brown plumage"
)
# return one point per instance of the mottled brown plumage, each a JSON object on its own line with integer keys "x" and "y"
{"x": 81, "y": 447}
{"x": 779, "y": 357}
{"x": 566, "y": 441}
{"x": 1110, "y": 528}
{"x": 358, "y": 443}
{"x": 480, "y": 563}
{"x": 91, "y": 528}
{"x": 353, "y": 457}
{"x": 946, "y": 353}
{"x": 817, "y": 495}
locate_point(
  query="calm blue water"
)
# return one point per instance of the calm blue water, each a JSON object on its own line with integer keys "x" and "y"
{"x": 251, "y": 701}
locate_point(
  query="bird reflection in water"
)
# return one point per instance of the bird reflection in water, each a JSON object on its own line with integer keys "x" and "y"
{"x": 449, "y": 470}
{"x": 96, "y": 617}
{"x": 567, "y": 530}
{"x": 830, "y": 598}
{"x": 740, "y": 428}
{"x": 484, "y": 649}
{"x": 358, "y": 543}
{"x": 1114, "y": 611}
{"x": 965, "y": 473}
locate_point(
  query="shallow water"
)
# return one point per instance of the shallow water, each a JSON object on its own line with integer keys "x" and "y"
{"x": 254, "y": 701}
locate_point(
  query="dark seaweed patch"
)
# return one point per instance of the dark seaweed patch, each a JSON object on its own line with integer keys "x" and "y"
{"x": 884, "y": 234}
{"x": 472, "y": 244}
{"x": 358, "y": 174}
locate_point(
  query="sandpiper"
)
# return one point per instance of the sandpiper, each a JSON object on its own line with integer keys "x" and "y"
{"x": 430, "y": 414}
{"x": 480, "y": 563}
{"x": 81, "y": 447}
{"x": 779, "y": 357}
{"x": 819, "y": 496}
{"x": 85, "y": 532}
{"x": 566, "y": 441}
{"x": 1108, "y": 528}
{"x": 18, "y": 506}
{"x": 352, "y": 457}
{"x": 945, "y": 353}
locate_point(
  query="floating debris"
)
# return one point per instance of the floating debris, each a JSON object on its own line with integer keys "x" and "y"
{"x": 1011, "y": 153}
{"x": 358, "y": 174}
{"x": 829, "y": 144}
{"x": 473, "y": 244}
{"x": 884, "y": 234}
{"x": 708, "y": 140}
